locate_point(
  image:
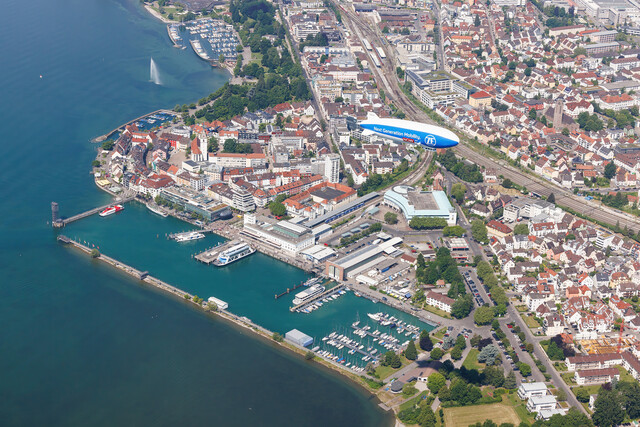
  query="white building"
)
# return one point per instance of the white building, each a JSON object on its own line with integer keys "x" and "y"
{"x": 528, "y": 390}
{"x": 539, "y": 403}
{"x": 282, "y": 235}
{"x": 332, "y": 167}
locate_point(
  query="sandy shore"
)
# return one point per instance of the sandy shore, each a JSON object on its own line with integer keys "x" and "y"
{"x": 157, "y": 15}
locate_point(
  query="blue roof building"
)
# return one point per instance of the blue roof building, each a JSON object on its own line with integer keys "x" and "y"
{"x": 415, "y": 203}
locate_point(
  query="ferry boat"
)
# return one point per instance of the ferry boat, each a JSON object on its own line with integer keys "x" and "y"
{"x": 187, "y": 237}
{"x": 157, "y": 210}
{"x": 111, "y": 210}
{"x": 308, "y": 294}
{"x": 233, "y": 254}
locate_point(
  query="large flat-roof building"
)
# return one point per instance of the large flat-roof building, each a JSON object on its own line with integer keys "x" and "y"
{"x": 425, "y": 204}
{"x": 282, "y": 235}
{"x": 339, "y": 269}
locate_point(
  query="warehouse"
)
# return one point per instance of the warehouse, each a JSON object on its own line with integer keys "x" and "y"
{"x": 424, "y": 204}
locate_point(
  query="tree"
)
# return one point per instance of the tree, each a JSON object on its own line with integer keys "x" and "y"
{"x": 462, "y": 306}
{"x": 95, "y": 253}
{"x": 610, "y": 170}
{"x": 212, "y": 145}
{"x": 425, "y": 341}
{"x": 488, "y": 354}
{"x": 476, "y": 21}
{"x": 436, "y": 354}
{"x": 533, "y": 115}
{"x": 510, "y": 382}
{"x": 475, "y": 340}
{"x": 391, "y": 218}
{"x": 457, "y": 191}
{"x": 277, "y": 209}
{"x": 479, "y": 230}
{"x": 212, "y": 306}
{"x": 456, "y": 353}
{"x": 551, "y": 198}
{"x": 435, "y": 382}
{"x": 525, "y": 370}
{"x": 507, "y": 183}
{"x": 608, "y": 409}
{"x": 309, "y": 355}
{"x": 582, "y": 394}
{"x": 483, "y": 315}
{"x": 277, "y": 337}
{"x": 410, "y": 352}
{"x": 555, "y": 352}
{"x": 521, "y": 229}
{"x": 108, "y": 145}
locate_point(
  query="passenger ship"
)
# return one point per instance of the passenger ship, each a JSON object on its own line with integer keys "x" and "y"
{"x": 111, "y": 210}
{"x": 233, "y": 254}
{"x": 308, "y": 294}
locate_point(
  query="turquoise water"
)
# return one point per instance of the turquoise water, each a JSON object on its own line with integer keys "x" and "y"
{"x": 82, "y": 343}
{"x": 137, "y": 237}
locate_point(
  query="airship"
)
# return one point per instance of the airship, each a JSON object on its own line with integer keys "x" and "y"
{"x": 429, "y": 136}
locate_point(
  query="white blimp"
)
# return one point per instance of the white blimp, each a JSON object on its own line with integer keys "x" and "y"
{"x": 429, "y": 136}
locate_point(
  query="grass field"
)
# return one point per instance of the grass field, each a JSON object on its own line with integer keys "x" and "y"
{"x": 471, "y": 362}
{"x": 436, "y": 311}
{"x": 466, "y": 415}
{"x": 530, "y": 321}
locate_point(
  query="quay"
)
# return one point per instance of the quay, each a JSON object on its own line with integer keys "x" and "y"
{"x": 59, "y": 223}
{"x": 211, "y": 254}
{"x": 324, "y": 294}
{"x": 310, "y": 282}
{"x": 121, "y": 127}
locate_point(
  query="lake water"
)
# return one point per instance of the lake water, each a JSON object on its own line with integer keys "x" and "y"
{"x": 82, "y": 343}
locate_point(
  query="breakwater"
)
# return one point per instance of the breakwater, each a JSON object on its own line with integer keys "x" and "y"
{"x": 242, "y": 321}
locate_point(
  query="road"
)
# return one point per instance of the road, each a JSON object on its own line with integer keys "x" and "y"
{"x": 556, "y": 379}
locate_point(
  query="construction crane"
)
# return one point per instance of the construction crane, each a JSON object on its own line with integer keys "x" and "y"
{"x": 620, "y": 337}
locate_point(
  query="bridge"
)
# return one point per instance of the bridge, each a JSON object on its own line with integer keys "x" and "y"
{"x": 59, "y": 223}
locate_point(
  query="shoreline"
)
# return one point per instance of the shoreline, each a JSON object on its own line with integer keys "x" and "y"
{"x": 157, "y": 15}
{"x": 234, "y": 320}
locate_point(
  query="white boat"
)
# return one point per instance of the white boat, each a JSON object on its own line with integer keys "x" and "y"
{"x": 111, "y": 210}
{"x": 375, "y": 317}
{"x": 157, "y": 210}
{"x": 187, "y": 237}
{"x": 308, "y": 294}
{"x": 233, "y": 254}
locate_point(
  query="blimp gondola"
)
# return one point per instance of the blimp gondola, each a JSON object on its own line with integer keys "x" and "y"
{"x": 428, "y": 136}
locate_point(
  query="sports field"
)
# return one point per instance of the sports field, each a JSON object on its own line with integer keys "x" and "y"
{"x": 467, "y": 415}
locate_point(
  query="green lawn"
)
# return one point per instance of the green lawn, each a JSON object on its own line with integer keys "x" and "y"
{"x": 519, "y": 406}
{"x": 624, "y": 375}
{"x": 256, "y": 57}
{"x": 471, "y": 362}
{"x": 411, "y": 402}
{"x": 521, "y": 308}
{"x": 440, "y": 334}
{"x": 530, "y": 321}
{"x": 436, "y": 311}
{"x": 465, "y": 415}
{"x": 568, "y": 378}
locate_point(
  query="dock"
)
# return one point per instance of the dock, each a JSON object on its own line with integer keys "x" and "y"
{"x": 310, "y": 282}
{"x": 62, "y": 222}
{"x": 299, "y": 285}
{"x": 324, "y": 294}
{"x": 122, "y": 127}
{"x": 211, "y": 254}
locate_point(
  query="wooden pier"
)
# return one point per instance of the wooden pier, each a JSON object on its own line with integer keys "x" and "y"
{"x": 299, "y": 285}
{"x": 62, "y": 222}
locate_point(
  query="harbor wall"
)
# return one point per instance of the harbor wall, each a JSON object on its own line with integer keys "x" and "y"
{"x": 227, "y": 315}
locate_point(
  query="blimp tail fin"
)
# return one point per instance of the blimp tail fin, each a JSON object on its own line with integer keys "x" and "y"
{"x": 372, "y": 116}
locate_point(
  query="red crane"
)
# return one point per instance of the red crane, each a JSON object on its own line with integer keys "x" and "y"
{"x": 620, "y": 337}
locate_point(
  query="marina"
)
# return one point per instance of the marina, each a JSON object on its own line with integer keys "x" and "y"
{"x": 316, "y": 298}
{"x": 212, "y": 40}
